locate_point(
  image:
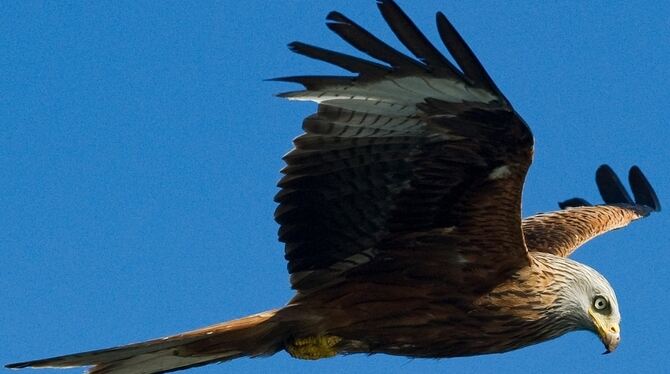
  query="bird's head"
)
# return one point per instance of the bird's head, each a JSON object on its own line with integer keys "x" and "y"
{"x": 592, "y": 304}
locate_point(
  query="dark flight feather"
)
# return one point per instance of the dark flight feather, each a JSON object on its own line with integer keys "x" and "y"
{"x": 347, "y": 62}
{"x": 464, "y": 56}
{"x": 642, "y": 190}
{"x": 415, "y": 41}
{"x": 610, "y": 187}
{"x": 367, "y": 43}
{"x": 574, "y": 202}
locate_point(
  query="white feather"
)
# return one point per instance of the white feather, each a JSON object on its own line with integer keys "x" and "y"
{"x": 398, "y": 96}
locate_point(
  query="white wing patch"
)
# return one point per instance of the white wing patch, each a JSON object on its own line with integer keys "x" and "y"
{"x": 397, "y": 96}
{"x": 500, "y": 172}
{"x": 460, "y": 259}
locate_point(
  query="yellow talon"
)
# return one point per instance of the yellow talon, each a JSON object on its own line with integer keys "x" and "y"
{"x": 313, "y": 347}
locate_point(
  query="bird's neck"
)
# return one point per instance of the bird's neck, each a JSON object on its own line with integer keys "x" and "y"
{"x": 566, "y": 308}
{"x": 536, "y": 303}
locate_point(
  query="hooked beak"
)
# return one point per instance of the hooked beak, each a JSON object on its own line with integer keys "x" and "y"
{"x": 609, "y": 333}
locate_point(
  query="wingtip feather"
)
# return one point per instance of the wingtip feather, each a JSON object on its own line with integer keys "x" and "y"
{"x": 642, "y": 190}
{"x": 574, "y": 202}
{"x": 610, "y": 186}
{"x": 466, "y": 59}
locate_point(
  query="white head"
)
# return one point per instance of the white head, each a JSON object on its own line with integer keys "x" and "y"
{"x": 588, "y": 301}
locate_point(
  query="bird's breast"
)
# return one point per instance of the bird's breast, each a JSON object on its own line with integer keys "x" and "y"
{"x": 432, "y": 320}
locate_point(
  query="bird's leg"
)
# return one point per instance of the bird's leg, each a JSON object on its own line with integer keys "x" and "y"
{"x": 313, "y": 347}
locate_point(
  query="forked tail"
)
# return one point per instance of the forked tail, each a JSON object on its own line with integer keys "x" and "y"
{"x": 256, "y": 335}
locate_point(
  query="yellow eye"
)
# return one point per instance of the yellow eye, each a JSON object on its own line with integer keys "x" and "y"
{"x": 600, "y": 303}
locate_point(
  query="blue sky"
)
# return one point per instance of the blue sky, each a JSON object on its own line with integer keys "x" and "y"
{"x": 140, "y": 149}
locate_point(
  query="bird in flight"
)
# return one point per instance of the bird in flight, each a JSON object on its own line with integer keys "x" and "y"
{"x": 400, "y": 211}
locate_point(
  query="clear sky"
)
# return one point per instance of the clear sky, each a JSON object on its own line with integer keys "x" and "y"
{"x": 140, "y": 148}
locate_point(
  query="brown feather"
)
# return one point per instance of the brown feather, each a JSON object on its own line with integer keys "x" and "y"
{"x": 562, "y": 232}
{"x": 438, "y": 319}
{"x": 256, "y": 335}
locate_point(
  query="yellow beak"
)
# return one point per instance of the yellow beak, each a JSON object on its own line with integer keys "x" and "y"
{"x": 609, "y": 333}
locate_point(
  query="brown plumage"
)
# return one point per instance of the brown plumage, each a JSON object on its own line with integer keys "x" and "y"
{"x": 400, "y": 209}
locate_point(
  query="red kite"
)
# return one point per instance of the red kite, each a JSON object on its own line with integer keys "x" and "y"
{"x": 400, "y": 210}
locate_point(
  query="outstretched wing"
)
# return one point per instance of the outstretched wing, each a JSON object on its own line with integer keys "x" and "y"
{"x": 564, "y": 231}
{"x": 405, "y": 146}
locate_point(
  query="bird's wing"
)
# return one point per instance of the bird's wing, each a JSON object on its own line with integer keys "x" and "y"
{"x": 405, "y": 146}
{"x": 564, "y": 231}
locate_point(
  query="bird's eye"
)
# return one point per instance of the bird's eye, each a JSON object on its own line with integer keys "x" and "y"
{"x": 600, "y": 303}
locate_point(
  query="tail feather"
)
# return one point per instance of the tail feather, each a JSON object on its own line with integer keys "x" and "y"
{"x": 159, "y": 362}
{"x": 255, "y": 335}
